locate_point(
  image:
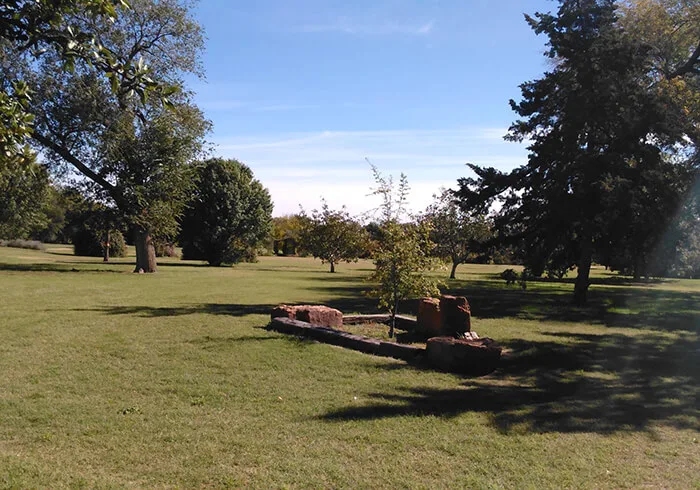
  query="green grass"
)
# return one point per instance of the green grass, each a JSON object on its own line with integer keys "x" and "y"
{"x": 112, "y": 380}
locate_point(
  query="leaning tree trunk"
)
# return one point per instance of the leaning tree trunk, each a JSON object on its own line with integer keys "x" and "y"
{"x": 145, "y": 252}
{"x": 454, "y": 269}
{"x": 584, "y": 273}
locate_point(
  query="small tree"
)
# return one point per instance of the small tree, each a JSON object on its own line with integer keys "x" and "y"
{"x": 403, "y": 254}
{"x": 333, "y": 236}
{"x": 228, "y": 216}
{"x": 458, "y": 235}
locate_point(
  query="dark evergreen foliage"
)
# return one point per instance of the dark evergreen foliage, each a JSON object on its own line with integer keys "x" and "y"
{"x": 228, "y": 216}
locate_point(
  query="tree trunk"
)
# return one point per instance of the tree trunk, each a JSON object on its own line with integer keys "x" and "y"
{"x": 392, "y": 325}
{"x": 145, "y": 252}
{"x": 332, "y": 266}
{"x": 106, "y": 248}
{"x": 454, "y": 269}
{"x": 584, "y": 273}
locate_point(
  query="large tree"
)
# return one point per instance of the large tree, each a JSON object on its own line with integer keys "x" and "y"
{"x": 135, "y": 150}
{"x": 228, "y": 215}
{"x": 31, "y": 28}
{"x": 598, "y": 130}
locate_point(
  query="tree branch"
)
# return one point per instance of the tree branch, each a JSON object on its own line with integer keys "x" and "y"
{"x": 80, "y": 166}
{"x": 688, "y": 66}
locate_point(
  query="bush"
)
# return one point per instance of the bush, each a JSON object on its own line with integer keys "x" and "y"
{"x": 229, "y": 215}
{"x": 89, "y": 243}
{"x": 29, "y": 244}
{"x": 165, "y": 249}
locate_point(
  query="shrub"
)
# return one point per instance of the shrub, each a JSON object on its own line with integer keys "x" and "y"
{"x": 29, "y": 244}
{"x": 89, "y": 243}
{"x": 165, "y": 249}
{"x": 229, "y": 215}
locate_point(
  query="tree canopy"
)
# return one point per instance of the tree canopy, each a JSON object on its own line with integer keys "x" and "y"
{"x": 135, "y": 150}
{"x": 605, "y": 143}
{"x": 228, "y": 215}
{"x": 332, "y": 236}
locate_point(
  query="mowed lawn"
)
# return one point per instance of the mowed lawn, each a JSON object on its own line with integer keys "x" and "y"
{"x": 111, "y": 379}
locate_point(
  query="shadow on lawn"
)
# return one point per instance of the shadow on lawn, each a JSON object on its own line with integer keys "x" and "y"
{"x": 68, "y": 267}
{"x": 574, "y": 383}
{"x": 610, "y": 306}
{"x": 209, "y": 308}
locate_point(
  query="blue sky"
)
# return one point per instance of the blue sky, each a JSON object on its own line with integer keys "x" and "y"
{"x": 304, "y": 91}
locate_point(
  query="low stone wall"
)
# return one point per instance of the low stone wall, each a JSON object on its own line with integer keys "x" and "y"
{"x": 468, "y": 355}
{"x": 402, "y": 322}
{"x": 344, "y": 339}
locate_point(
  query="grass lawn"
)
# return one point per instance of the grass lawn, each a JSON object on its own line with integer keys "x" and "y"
{"x": 112, "y": 379}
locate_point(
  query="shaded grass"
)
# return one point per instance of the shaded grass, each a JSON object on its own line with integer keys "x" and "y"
{"x": 125, "y": 380}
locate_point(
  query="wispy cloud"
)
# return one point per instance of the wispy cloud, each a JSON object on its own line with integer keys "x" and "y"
{"x": 348, "y": 26}
{"x": 299, "y": 168}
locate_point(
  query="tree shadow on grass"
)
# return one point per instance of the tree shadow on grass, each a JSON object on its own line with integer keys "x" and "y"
{"x": 609, "y": 306}
{"x": 573, "y": 383}
{"x": 208, "y": 308}
{"x": 66, "y": 267}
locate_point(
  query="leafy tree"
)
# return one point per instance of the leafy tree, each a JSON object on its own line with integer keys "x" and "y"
{"x": 24, "y": 186}
{"x": 458, "y": 235}
{"x": 286, "y": 233}
{"x": 332, "y": 236}
{"x": 228, "y": 215}
{"x": 403, "y": 255}
{"x": 136, "y": 152}
{"x": 31, "y": 28}
{"x": 589, "y": 121}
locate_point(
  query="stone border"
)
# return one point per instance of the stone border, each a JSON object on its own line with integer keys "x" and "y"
{"x": 360, "y": 343}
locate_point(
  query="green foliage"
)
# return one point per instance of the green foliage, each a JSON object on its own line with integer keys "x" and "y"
{"x": 68, "y": 30}
{"x": 402, "y": 256}
{"x": 136, "y": 152}
{"x": 27, "y": 244}
{"x": 90, "y": 242}
{"x": 24, "y": 187}
{"x": 228, "y": 215}
{"x": 592, "y": 162}
{"x": 332, "y": 236}
{"x": 459, "y": 236}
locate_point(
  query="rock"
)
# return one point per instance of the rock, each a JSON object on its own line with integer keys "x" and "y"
{"x": 456, "y": 315}
{"x": 313, "y": 314}
{"x": 320, "y": 315}
{"x": 284, "y": 311}
{"x": 429, "y": 318}
{"x": 475, "y": 357}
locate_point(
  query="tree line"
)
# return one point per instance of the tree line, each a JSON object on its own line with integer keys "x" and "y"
{"x": 97, "y": 87}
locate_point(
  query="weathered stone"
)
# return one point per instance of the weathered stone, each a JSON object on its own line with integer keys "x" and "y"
{"x": 284, "y": 311}
{"x": 313, "y": 314}
{"x": 429, "y": 318}
{"x": 456, "y": 315}
{"x": 475, "y": 357}
{"x": 320, "y": 315}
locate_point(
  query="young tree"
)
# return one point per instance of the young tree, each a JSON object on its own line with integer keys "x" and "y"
{"x": 332, "y": 236}
{"x": 590, "y": 121}
{"x": 228, "y": 215}
{"x": 402, "y": 257}
{"x": 458, "y": 235}
{"x": 136, "y": 151}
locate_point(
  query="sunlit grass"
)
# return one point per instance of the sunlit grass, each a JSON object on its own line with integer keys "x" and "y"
{"x": 115, "y": 379}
